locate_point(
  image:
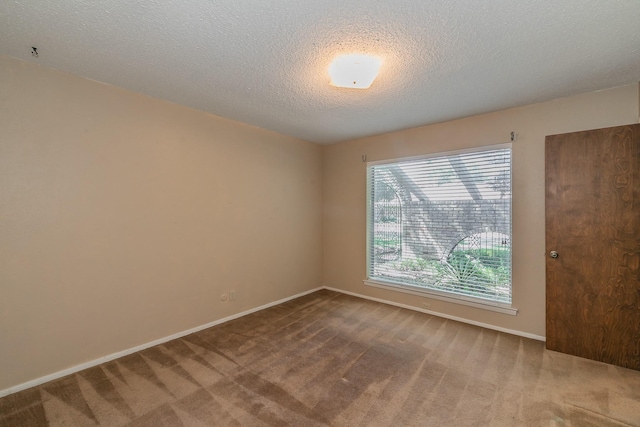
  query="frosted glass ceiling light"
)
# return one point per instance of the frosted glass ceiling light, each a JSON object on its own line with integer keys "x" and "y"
{"x": 354, "y": 71}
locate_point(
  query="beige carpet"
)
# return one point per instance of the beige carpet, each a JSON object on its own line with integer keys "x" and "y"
{"x": 332, "y": 359}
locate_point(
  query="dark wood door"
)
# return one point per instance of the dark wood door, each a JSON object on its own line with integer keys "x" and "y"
{"x": 593, "y": 223}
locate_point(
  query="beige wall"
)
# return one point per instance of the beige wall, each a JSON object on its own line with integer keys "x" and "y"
{"x": 123, "y": 218}
{"x": 345, "y": 182}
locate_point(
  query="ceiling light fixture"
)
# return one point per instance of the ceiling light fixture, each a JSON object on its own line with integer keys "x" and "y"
{"x": 354, "y": 71}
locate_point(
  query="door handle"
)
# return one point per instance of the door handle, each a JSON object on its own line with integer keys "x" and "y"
{"x": 553, "y": 254}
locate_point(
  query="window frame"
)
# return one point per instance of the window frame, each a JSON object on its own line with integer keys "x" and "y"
{"x": 500, "y": 307}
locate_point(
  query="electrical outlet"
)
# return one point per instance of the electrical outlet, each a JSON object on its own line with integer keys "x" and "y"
{"x": 224, "y": 297}
{"x": 232, "y": 295}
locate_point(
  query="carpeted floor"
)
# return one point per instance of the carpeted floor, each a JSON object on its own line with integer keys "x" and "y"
{"x": 332, "y": 359}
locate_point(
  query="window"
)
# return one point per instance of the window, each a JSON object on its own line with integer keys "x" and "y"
{"x": 442, "y": 225}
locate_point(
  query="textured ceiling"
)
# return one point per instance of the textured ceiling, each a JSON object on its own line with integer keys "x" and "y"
{"x": 265, "y": 62}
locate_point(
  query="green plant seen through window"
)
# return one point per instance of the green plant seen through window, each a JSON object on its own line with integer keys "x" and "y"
{"x": 386, "y": 241}
{"x": 484, "y": 271}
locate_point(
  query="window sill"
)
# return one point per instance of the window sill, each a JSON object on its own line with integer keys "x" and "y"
{"x": 430, "y": 293}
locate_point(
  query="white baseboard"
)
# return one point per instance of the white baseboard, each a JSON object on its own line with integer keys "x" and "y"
{"x": 446, "y": 316}
{"x": 131, "y": 350}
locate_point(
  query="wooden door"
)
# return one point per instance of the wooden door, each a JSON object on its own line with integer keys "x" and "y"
{"x": 593, "y": 223}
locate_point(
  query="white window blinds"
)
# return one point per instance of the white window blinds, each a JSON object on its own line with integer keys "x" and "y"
{"x": 443, "y": 224}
